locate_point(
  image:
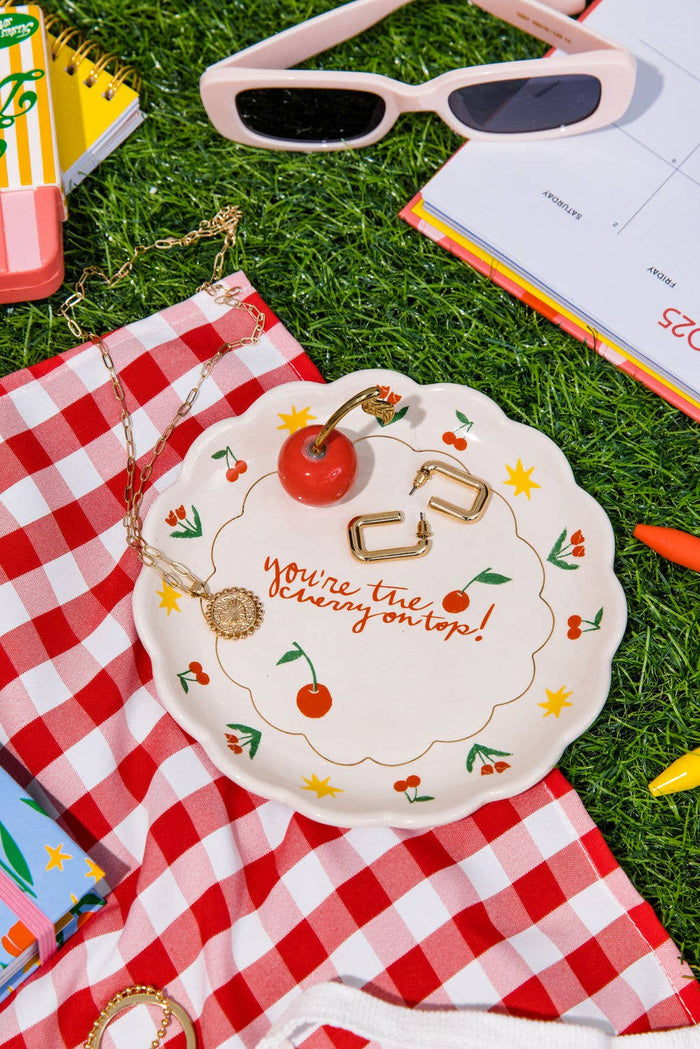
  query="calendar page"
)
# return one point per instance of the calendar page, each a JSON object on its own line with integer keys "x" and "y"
{"x": 606, "y": 223}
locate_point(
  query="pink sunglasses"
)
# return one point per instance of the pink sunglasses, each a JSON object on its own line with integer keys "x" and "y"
{"x": 253, "y": 97}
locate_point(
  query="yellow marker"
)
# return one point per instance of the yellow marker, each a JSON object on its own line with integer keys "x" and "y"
{"x": 683, "y": 774}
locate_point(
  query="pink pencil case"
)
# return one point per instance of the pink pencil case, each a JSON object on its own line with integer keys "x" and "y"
{"x": 32, "y": 203}
{"x": 31, "y": 243}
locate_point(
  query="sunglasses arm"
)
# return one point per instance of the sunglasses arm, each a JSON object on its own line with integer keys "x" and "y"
{"x": 542, "y": 21}
{"x": 294, "y": 45}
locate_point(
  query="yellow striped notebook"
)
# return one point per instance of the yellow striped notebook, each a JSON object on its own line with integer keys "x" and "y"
{"x": 28, "y": 151}
{"x": 32, "y": 205}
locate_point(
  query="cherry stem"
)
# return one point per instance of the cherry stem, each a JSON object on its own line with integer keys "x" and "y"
{"x": 371, "y": 402}
{"x": 311, "y": 666}
{"x": 473, "y": 580}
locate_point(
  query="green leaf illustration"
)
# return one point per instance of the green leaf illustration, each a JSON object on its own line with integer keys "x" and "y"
{"x": 35, "y": 805}
{"x": 183, "y": 682}
{"x": 288, "y": 657}
{"x": 255, "y": 735}
{"x": 425, "y": 797}
{"x": 220, "y": 455}
{"x": 554, "y": 558}
{"x": 463, "y": 419}
{"x": 557, "y": 548}
{"x": 493, "y": 578}
{"x": 472, "y": 756}
{"x": 86, "y": 903}
{"x": 14, "y": 855}
{"x": 191, "y": 531}
{"x": 15, "y": 877}
{"x": 562, "y": 564}
{"x": 598, "y": 618}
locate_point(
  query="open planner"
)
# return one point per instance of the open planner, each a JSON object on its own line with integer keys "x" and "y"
{"x": 600, "y": 230}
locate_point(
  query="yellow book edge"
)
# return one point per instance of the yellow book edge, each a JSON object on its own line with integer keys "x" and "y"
{"x": 418, "y": 209}
{"x": 95, "y": 99}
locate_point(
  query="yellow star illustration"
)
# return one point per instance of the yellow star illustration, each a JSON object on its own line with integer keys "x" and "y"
{"x": 556, "y": 701}
{"x": 295, "y": 420}
{"x": 520, "y": 479}
{"x": 57, "y": 857}
{"x": 170, "y": 598}
{"x": 93, "y": 870}
{"x": 321, "y": 786}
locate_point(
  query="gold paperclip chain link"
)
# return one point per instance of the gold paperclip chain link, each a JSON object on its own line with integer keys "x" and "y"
{"x": 223, "y": 224}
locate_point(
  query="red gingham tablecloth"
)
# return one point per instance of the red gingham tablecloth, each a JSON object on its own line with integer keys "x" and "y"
{"x": 231, "y": 902}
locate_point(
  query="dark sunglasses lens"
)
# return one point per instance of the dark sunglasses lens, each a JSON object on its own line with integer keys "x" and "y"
{"x": 304, "y": 114}
{"x": 540, "y": 103}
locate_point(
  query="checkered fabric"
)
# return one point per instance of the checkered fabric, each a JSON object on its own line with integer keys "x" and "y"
{"x": 231, "y": 902}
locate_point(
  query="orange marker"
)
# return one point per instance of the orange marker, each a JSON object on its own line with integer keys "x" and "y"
{"x": 682, "y": 774}
{"x": 679, "y": 547}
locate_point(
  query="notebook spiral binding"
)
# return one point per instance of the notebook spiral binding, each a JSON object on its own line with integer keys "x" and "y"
{"x": 83, "y": 50}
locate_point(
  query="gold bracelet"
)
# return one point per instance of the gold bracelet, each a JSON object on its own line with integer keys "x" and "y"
{"x": 142, "y": 995}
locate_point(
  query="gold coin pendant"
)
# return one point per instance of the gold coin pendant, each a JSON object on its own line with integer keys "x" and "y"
{"x": 234, "y": 613}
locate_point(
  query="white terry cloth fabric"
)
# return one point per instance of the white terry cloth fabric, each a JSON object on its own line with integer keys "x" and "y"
{"x": 399, "y": 1027}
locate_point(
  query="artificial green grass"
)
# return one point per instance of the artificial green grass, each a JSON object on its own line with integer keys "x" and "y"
{"x": 358, "y": 288}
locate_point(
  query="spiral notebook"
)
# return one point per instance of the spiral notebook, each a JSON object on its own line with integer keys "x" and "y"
{"x": 95, "y": 101}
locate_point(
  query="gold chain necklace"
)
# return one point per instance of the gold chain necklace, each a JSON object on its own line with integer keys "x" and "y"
{"x": 235, "y": 612}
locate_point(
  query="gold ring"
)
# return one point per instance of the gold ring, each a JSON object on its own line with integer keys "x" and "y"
{"x": 141, "y": 996}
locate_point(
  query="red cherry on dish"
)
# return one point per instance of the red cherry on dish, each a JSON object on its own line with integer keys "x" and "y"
{"x": 317, "y": 479}
{"x": 456, "y": 601}
{"x": 314, "y": 702}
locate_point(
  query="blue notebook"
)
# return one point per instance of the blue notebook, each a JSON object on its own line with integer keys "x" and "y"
{"x": 40, "y": 864}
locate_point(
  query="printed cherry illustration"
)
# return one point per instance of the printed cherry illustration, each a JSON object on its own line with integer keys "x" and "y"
{"x": 454, "y": 437}
{"x": 574, "y": 624}
{"x": 459, "y": 443}
{"x": 578, "y": 625}
{"x": 409, "y": 787}
{"x": 313, "y": 700}
{"x": 457, "y": 600}
{"x": 317, "y": 465}
{"x": 488, "y": 757}
{"x": 234, "y": 466}
{"x": 234, "y": 472}
{"x": 200, "y": 676}
{"x": 194, "y": 674}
